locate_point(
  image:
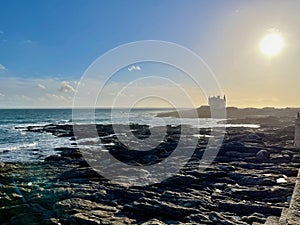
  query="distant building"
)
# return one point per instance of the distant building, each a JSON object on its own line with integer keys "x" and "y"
{"x": 216, "y": 102}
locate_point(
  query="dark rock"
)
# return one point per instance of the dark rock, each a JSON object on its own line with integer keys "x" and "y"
{"x": 296, "y": 159}
{"x": 239, "y": 187}
{"x": 154, "y": 222}
{"x": 262, "y": 155}
{"x": 260, "y": 193}
{"x": 233, "y": 146}
{"x": 74, "y": 205}
{"x": 24, "y": 219}
{"x": 278, "y": 158}
{"x": 218, "y": 218}
{"x": 51, "y": 221}
{"x": 197, "y": 219}
{"x": 154, "y": 208}
{"x": 54, "y": 158}
{"x": 241, "y": 155}
{"x": 255, "y": 217}
{"x": 69, "y": 152}
{"x": 248, "y": 179}
{"x": 81, "y": 174}
{"x": 249, "y": 208}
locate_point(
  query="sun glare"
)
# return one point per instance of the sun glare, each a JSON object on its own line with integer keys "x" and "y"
{"x": 271, "y": 44}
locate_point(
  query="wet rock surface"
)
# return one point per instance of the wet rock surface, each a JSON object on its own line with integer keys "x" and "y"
{"x": 251, "y": 179}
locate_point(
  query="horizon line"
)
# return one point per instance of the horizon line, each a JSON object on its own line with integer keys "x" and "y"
{"x": 249, "y": 107}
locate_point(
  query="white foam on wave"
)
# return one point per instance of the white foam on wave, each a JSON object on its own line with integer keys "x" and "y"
{"x": 201, "y": 135}
{"x": 243, "y": 125}
{"x": 24, "y": 126}
{"x": 18, "y": 147}
{"x": 88, "y": 140}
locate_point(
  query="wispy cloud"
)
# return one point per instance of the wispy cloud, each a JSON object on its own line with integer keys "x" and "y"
{"x": 24, "y": 97}
{"x": 66, "y": 87}
{"x": 2, "y": 95}
{"x": 134, "y": 67}
{"x": 27, "y": 92}
{"x": 28, "y": 41}
{"x": 2, "y": 67}
{"x": 57, "y": 97}
{"x": 42, "y": 87}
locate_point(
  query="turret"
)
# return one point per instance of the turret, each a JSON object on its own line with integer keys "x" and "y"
{"x": 217, "y": 102}
{"x": 217, "y": 106}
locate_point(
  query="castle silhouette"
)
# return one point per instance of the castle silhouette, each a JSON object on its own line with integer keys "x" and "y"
{"x": 216, "y": 102}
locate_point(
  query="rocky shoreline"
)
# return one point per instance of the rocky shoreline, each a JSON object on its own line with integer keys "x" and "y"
{"x": 251, "y": 179}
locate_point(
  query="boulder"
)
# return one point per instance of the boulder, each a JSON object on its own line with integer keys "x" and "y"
{"x": 262, "y": 155}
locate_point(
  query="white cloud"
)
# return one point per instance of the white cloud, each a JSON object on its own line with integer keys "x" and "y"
{"x": 133, "y": 67}
{"x": 56, "y": 97}
{"x": 66, "y": 87}
{"x": 27, "y": 41}
{"x": 42, "y": 87}
{"x": 2, "y": 67}
{"x": 24, "y": 97}
{"x": 22, "y": 92}
{"x": 2, "y": 95}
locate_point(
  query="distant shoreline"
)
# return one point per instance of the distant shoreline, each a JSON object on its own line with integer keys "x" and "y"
{"x": 97, "y": 108}
{"x": 150, "y": 108}
{"x": 234, "y": 112}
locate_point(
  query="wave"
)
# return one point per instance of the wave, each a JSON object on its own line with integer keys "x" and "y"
{"x": 18, "y": 147}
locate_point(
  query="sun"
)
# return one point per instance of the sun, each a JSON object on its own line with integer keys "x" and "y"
{"x": 271, "y": 44}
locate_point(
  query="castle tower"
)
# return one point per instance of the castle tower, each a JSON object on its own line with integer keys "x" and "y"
{"x": 297, "y": 131}
{"x": 216, "y": 103}
{"x": 217, "y": 106}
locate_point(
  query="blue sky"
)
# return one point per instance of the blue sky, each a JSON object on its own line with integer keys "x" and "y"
{"x": 49, "y": 44}
{"x": 47, "y": 38}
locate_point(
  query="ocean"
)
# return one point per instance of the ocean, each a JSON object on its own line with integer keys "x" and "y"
{"x": 16, "y": 145}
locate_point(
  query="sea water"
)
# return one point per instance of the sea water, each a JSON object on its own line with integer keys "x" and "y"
{"x": 18, "y": 145}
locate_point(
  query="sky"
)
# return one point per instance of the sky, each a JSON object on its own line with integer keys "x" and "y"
{"x": 47, "y": 46}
